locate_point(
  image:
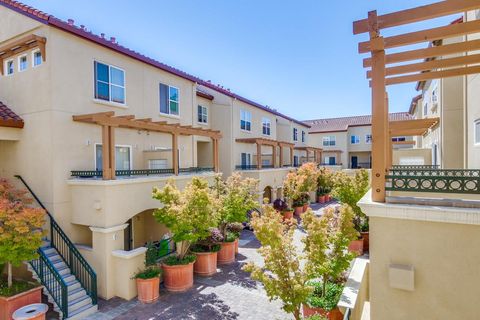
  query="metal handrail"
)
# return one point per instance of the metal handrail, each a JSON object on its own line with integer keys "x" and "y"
{"x": 464, "y": 184}
{"x": 79, "y": 267}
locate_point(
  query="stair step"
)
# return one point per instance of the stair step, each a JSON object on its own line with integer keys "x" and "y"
{"x": 49, "y": 250}
{"x": 82, "y": 312}
{"x": 78, "y": 303}
{"x": 76, "y": 293}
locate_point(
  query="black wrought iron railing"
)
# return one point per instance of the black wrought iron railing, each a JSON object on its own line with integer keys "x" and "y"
{"x": 79, "y": 267}
{"x": 433, "y": 180}
{"x": 253, "y": 167}
{"x": 52, "y": 281}
{"x": 120, "y": 173}
{"x": 423, "y": 166}
{"x": 361, "y": 165}
{"x": 196, "y": 170}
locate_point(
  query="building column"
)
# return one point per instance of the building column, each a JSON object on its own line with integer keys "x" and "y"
{"x": 259, "y": 156}
{"x": 215, "y": 155}
{"x": 274, "y": 156}
{"x": 106, "y": 174}
{"x": 281, "y": 157}
{"x": 175, "y": 153}
{"x": 291, "y": 156}
{"x": 111, "y": 135}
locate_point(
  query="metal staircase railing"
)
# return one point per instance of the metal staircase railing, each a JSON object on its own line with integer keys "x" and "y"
{"x": 79, "y": 267}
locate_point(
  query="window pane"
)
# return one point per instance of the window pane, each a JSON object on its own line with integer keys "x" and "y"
{"x": 102, "y": 91}
{"x": 173, "y": 107}
{"x": 23, "y": 63}
{"x": 98, "y": 157}
{"x": 101, "y": 72}
{"x": 117, "y": 77}
{"x": 174, "y": 94}
{"x": 10, "y": 67}
{"x": 248, "y": 126}
{"x": 122, "y": 158}
{"x": 118, "y": 94}
{"x": 243, "y": 125}
{"x": 477, "y": 132}
{"x": 37, "y": 58}
{"x": 163, "y": 98}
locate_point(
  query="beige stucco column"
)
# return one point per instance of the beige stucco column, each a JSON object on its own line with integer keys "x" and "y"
{"x": 291, "y": 156}
{"x": 175, "y": 153}
{"x": 274, "y": 156}
{"x": 281, "y": 157}
{"x": 259, "y": 156}
{"x": 104, "y": 241}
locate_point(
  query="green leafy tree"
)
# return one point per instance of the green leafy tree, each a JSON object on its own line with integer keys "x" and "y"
{"x": 281, "y": 275}
{"x": 235, "y": 197}
{"x": 325, "y": 181}
{"x": 20, "y": 227}
{"x": 189, "y": 214}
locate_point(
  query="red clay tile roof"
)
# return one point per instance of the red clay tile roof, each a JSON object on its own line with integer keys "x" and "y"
{"x": 8, "y": 118}
{"x": 342, "y": 124}
{"x": 113, "y": 45}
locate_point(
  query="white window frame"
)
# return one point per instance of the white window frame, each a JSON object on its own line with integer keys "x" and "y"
{"x": 33, "y": 58}
{"x": 117, "y": 145}
{"x": 203, "y": 114}
{"x": 304, "y": 136}
{"x": 475, "y": 129}
{"x": 170, "y": 114}
{"x": 110, "y": 85}
{"x": 248, "y": 119}
{"x": 329, "y": 139}
{"x": 266, "y": 124}
{"x": 248, "y": 156}
{"x": 6, "y": 67}
{"x": 19, "y": 64}
{"x": 295, "y": 134}
{"x": 356, "y": 139}
{"x": 366, "y": 138}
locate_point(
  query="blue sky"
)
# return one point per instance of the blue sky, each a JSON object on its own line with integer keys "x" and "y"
{"x": 299, "y": 57}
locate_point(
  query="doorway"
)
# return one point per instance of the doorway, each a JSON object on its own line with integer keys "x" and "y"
{"x": 354, "y": 162}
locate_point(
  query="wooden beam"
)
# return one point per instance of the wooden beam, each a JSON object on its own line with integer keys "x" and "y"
{"x": 449, "y": 31}
{"x": 433, "y": 75}
{"x": 280, "y": 156}
{"x": 259, "y": 155}
{"x": 215, "y": 155}
{"x": 274, "y": 156}
{"x": 407, "y": 132}
{"x": 431, "y": 65}
{"x": 92, "y": 115}
{"x": 111, "y": 143}
{"x": 424, "y": 124}
{"x": 144, "y": 119}
{"x": 430, "y": 52}
{"x": 435, "y": 10}
{"x": 130, "y": 116}
{"x": 175, "y": 153}
{"x": 106, "y": 153}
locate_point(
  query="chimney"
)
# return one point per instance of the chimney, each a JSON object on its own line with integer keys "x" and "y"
{"x": 70, "y": 22}
{"x": 112, "y": 39}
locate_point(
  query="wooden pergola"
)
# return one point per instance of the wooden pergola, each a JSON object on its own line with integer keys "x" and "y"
{"x": 317, "y": 153}
{"x": 272, "y": 143}
{"x": 21, "y": 45}
{"x": 408, "y": 69}
{"x": 109, "y": 122}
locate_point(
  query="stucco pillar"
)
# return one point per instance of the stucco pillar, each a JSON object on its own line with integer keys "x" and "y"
{"x": 104, "y": 241}
{"x": 259, "y": 156}
{"x": 175, "y": 153}
{"x": 106, "y": 175}
{"x": 281, "y": 157}
{"x": 291, "y": 156}
{"x": 274, "y": 156}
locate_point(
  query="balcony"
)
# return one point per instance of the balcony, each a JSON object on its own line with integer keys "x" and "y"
{"x": 126, "y": 174}
{"x": 253, "y": 167}
{"x": 361, "y": 165}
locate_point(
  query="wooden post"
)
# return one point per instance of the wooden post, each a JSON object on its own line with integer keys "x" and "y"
{"x": 111, "y": 134}
{"x": 175, "y": 153}
{"x": 215, "y": 155}
{"x": 291, "y": 156}
{"x": 106, "y": 153}
{"x": 274, "y": 156}
{"x": 379, "y": 111}
{"x": 281, "y": 157}
{"x": 259, "y": 156}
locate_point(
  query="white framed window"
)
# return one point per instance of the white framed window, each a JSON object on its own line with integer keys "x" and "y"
{"x": 169, "y": 100}
{"x": 202, "y": 114}
{"x": 109, "y": 83}
{"x": 245, "y": 120}
{"x": 477, "y": 132}
{"x": 368, "y": 138}
{"x": 295, "y": 161}
{"x": 398, "y": 139}
{"x": 330, "y": 160}
{"x": 354, "y": 139}
{"x": 9, "y": 67}
{"x": 22, "y": 63}
{"x": 295, "y": 134}
{"x": 36, "y": 58}
{"x": 303, "y": 136}
{"x": 245, "y": 159}
{"x": 266, "y": 124}
{"x": 329, "y": 141}
{"x": 158, "y": 164}
{"x": 425, "y": 108}
{"x": 123, "y": 157}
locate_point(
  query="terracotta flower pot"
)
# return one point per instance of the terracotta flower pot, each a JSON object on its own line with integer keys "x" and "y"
{"x": 356, "y": 246}
{"x": 305, "y": 207}
{"x": 148, "y": 289}
{"x": 298, "y": 210}
{"x": 226, "y": 255}
{"x": 178, "y": 278}
{"x": 206, "y": 264}
{"x": 334, "y": 314}
{"x": 287, "y": 215}
{"x": 236, "y": 246}
{"x": 8, "y": 305}
{"x": 321, "y": 199}
{"x": 366, "y": 240}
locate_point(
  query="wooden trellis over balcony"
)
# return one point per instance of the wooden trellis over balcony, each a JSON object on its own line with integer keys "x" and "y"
{"x": 21, "y": 45}
{"x": 109, "y": 122}
{"x": 272, "y": 143}
{"x": 317, "y": 153}
{"x": 410, "y": 70}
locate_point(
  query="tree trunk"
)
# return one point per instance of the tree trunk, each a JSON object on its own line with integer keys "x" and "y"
{"x": 296, "y": 314}
{"x": 9, "y": 272}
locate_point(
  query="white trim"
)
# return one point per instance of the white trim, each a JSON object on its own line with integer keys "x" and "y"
{"x": 249, "y": 121}
{"x": 109, "y": 229}
{"x": 117, "y": 145}
{"x": 207, "y": 115}
{"x": 268, "y": 122}
{"x": 26, "y": 61}
{"x": 476, "y": 122}
{"x": 6, "y": 67}
{"x": 366, "y": 138}
{"x": 33, "y": 58}
{"x": 124, "y": 104}
{"x": 129, "y": 254}
{"x": 110, "y": 104}
{"x": 356, "y": 138}
{"x": 177, "y": 116}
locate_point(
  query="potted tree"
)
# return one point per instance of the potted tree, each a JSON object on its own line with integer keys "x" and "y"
{"x": 324, "y": 183}
{"x": 308, "y": 176}
{"x": 291, "y": 190}
{"x": 281, "y": 274}
{"x": 236, "y": 229}
{"x": 20, "y": 237}
{"x": 349, "y": 190}
{"x": 206, "y": 251}
{"x": 327, "y": 259}
{"x": 282, "y": 207}
{"x": 148, "y": 279}
{"x": 189, "y": 215}
{"x": 235, "y": 197}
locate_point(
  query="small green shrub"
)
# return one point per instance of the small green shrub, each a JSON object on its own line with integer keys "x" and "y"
{"x": 148, "y": 273}
{"x": 151, "y": 255}
{"x": 176, "y": 261}
{"x": 327, "y": 300}
{"x": 201, "y": 248}
{"x": 16, "y": 288}
{"x": 231, "y": 236}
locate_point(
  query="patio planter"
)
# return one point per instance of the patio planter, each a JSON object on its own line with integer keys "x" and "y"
{"x": 148, "y": 289}
{"x": 321, "y": 199}
{"x": 356, "y": 246}
{"x": 287, "y": 215}
{"x": 206, "y": 264}
{"x": 298, "y": 210}
{"x": 366, "y": 240}
{"x": 226, "y": 255}
{"x": 305, "y": 207}
{"x": 334, "y": 314}
{"x": 236, "y": 246}
{"x": 8, "y": 305}
{"x": 178, "y": 278}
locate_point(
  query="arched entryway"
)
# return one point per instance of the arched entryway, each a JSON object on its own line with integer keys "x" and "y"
{"x": 143, "y": 228}
{"x": 267, "y": 194}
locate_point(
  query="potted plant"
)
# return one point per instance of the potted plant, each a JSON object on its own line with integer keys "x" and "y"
{"x": 292, "y": 192}
{"x": 189, "y": 215}
{"x": 281, "y": 274}
{"x": 327, "y": 259}
{"x": 324, "y": 184}
{"x": 349, "y": 190}
{"x": 236, "y": 229}
{"x": 282, "y": 207}
{"x": 305, "y": 201}
{"x": 206, "y": 253}
{"x": 235, "y": 197}
{"x": 20, "y": 237}
{"x": 308, "y": 174}
{"x": 148, "y": 279}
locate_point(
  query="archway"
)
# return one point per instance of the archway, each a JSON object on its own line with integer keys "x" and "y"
{"x": 267, "y": 194}
{"x": 142, "y": 228}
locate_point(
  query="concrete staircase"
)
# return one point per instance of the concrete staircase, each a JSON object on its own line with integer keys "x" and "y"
{"x": 79, "y": 303}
